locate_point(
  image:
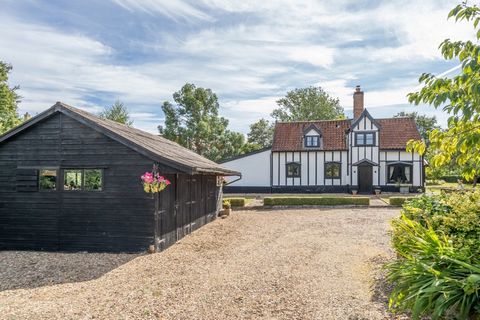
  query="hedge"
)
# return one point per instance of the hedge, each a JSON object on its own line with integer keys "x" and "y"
{"x": 397, "y": 201}
{"x": 451, "y": 178}
{"x": 316, "y": 201}
{"x": 236, "y": 202}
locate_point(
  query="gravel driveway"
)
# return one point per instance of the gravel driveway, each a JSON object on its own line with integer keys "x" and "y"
{"x": 278, "y": 264}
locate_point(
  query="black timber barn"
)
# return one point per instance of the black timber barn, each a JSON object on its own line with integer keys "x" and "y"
{"x": 70, "y": 181}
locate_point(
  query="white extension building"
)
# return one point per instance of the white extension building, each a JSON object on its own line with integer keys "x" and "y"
{"x": 361, "y": 154}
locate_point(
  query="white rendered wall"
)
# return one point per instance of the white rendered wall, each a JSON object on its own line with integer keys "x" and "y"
{"x": 255, "y": 169}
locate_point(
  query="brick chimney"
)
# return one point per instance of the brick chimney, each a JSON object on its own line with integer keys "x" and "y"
{"x": 357, "y": 103}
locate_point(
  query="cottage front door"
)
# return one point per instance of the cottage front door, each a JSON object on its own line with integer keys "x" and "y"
{"x": 365, "y": 179}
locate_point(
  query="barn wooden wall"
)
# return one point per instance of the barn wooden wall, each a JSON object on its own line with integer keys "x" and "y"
{"x": 118, "y": 218}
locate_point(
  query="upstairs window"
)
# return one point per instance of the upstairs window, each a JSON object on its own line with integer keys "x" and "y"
{"x": 293, "y": 170}
{"x": 400, "y": 173}
{"x": 312, "y": 141}
{"x": 332, "y": 170}
{"x": 365, "y": 139}
{"x": 83, "y": 179}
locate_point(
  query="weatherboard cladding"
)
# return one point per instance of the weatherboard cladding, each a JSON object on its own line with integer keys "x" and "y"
{"x": 151, "y": 145}
{"x": 394, "y": 134}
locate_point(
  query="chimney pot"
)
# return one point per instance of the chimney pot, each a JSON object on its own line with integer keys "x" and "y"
{"x": 358, "y": 103}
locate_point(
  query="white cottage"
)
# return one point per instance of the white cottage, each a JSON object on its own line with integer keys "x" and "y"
{"x": 361, "y": 154}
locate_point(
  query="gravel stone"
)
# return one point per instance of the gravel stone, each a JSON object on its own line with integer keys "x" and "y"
{"x": 265, "y": 264}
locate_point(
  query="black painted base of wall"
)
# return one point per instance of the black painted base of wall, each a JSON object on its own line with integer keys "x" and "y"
{"x": 309, "y": 189}
{"x": 241, "y": 189}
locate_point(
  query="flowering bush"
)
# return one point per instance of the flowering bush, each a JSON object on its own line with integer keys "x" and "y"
{"x": 153, "y": 183}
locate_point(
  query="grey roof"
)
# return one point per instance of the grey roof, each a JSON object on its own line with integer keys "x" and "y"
{"x": 153, "y": 146}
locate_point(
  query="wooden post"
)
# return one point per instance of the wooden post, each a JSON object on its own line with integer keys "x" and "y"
{"x": 156, "y": 198}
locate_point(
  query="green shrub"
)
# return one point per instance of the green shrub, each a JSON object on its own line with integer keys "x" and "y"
{"x": 431, "y": 277}
{"x": 236, "y": 202}
{"x": 456, "y": 215}
{"x": 451, "y": 178}
{"x": 397, "y": 201}
{"x": 437, "y": 239}
{"x": 318, "y": 201}
{"x": 226, "y": 204}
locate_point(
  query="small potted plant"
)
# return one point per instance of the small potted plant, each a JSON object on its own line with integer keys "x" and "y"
{"x": 354, "y": 190}
{"x": 402, "y": 187}
{"x": 227, "y": 208}
{"x": 377, "y": 190}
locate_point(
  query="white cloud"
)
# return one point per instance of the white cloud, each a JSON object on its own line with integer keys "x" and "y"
{"x": 264, "y": 49}
{"x": 174, "y": 9}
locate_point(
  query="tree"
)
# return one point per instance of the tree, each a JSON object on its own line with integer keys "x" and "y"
{"x": 304, "y": 104}
{"x": 9, "y": 100}
{"x": 459, "y": 95}
{"x": 261, "y": 134}
{"x": 425, "y": 124}
{"x": 193, "y": 122}
{"x": 118, "y": 113}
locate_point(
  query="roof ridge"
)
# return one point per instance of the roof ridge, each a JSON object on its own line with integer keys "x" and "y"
{"x": 312, "y": 121}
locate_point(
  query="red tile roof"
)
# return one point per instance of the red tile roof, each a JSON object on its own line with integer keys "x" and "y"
{"x": 394, "y": 134}
{"x": 288, "y": 136}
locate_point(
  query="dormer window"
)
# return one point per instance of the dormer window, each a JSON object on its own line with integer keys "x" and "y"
{"x": 312, "y": 141}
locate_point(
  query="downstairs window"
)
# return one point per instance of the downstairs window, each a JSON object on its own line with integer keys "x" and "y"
{"x": 399, "y": 173}
{"x": 293, "y": 170}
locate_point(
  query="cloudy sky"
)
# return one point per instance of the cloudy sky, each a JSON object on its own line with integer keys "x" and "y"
{"x": 89, "y": 53}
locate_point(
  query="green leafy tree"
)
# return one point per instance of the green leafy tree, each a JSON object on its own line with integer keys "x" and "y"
{"x": 304, "y": 104}
{"x": 459, "y": 95}
{"x": 261, "y": 134}
{"x": 425, "y": 124}
{"x": 9, "y": 100}
{"x": 117, "y": 112}
{"x": 193, "y": 121}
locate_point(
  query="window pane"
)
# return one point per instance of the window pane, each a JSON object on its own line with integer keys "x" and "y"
{"x": 332, "y": 170}
{"x": 73, "y": 180}
{"x": 311, "y": 141}
{"x": 369, "y": 138}
{"x": 293, "y": 170}
{"x": 47, "y": 179}
{"x": 93, "y": 179}
{"x": 407, "y": 173}
{"x": 360, "y": 139}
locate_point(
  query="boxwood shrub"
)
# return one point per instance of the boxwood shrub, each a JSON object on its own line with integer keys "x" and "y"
{"x": 236, "y": 202}
{"x": 397, "y": 201}
{"x": 316, "y": 201}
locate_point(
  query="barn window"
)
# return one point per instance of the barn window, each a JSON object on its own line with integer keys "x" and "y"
{"x": 332, "y": 170}
{"x": 293, "y": 170}
{"x": 93, "y": 180}
{"x": 365, "y": 139}
{"x": 47, "y": 179}
{"x": 83, "y": 179}
{"x": 400, "y": 173}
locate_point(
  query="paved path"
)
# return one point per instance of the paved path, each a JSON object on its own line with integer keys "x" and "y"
{"x": 268, "y": 264}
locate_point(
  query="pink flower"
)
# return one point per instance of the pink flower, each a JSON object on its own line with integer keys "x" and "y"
{"x": 147, "y": 177}
{"x": 167, "y": 182}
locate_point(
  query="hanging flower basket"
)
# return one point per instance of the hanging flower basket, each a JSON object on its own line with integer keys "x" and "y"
{"x": 154, "y": 183}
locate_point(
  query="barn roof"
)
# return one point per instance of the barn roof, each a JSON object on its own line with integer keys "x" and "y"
{"x": 153, "y": 146}
{"x": 394, "y": 133}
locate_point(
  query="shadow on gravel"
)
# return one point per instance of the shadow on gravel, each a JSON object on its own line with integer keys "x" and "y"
{"x": 381, "y": 289}
{"x": 30, "y": 269}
